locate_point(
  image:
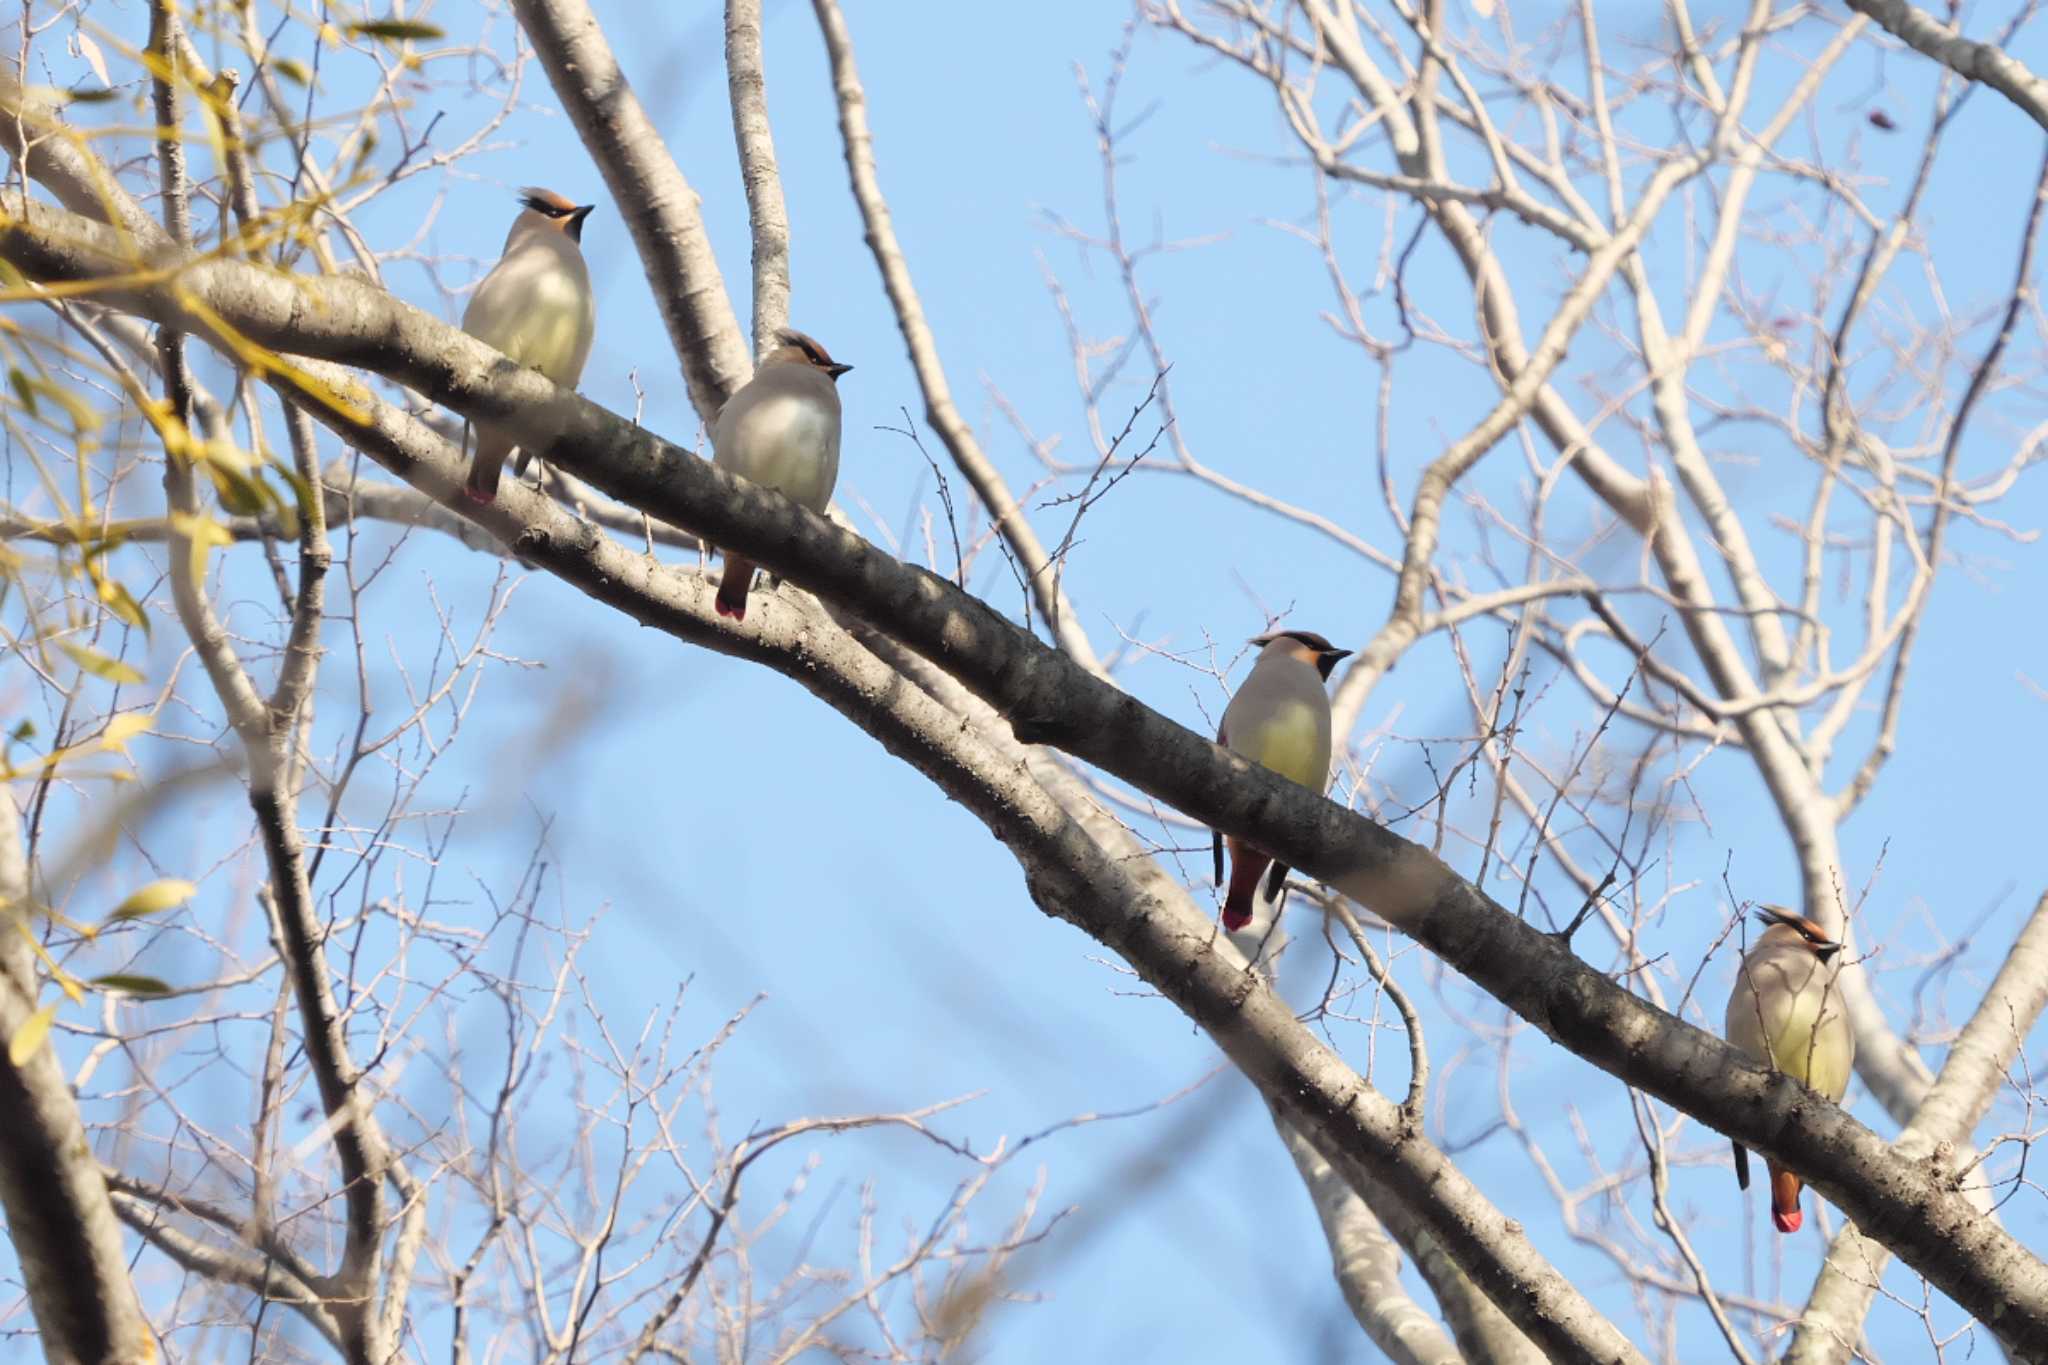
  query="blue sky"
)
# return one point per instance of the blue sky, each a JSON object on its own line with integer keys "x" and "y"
{"x": 727, "y": 830}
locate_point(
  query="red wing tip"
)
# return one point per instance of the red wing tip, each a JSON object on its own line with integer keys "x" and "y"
{"x": 478, "y": 496}
{"x": 1787, "y": 1222}
{"x": 1233, "y": 923}
{"x": 738, "y": 613}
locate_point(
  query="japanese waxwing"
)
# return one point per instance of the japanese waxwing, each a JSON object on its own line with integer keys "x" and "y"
{"x": 536, "y": 307}
{"x": 781, "y": 430}
{"x": 1787, "y": 1012}
{"x": 1280, "y": 719}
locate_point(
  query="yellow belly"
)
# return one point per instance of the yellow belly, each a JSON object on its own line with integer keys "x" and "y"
{"x": 550, "y": 338}
{"x": 1291, "y": 744}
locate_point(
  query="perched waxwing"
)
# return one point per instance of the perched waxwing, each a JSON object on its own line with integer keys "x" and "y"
{"x": 1280, "y": 719}
{"x": 536, "y": 307}
{"x": 781, "y": 430}
{"x": 1787, "y": 1012}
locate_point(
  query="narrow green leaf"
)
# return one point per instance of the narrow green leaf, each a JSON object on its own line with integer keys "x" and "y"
{"x": 23, "y": 390}
{"x": 395, "y": 30}
{"x": 128, "y": 983}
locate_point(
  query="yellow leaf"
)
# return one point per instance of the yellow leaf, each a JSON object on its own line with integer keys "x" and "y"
{"x": 203, "y": 530}
{"x": 122, "y": 604}
{"x": 154, "y": 899}
{"x": 100, "y": 665}
{"x": 30, "y": 1035}
{"x": 124, "y": 727}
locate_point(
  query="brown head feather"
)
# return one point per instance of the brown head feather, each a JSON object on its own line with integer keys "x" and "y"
{"x": 544, "y": 201}
{"x": 1309, "y": 647}
{"x": 799, "y": 349}
{"x": 559, "y": 213}
{"x": 1777, "y": 916}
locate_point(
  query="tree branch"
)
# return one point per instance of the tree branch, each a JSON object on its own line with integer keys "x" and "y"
{"x": 1049, "y": 698}
{"x": 747, "y": 80}
{"x": 1971, "y": 60}
{"x": 1955, "y": 1104}
{"x": 659, "y": 206}
{"x": 59, "y": 1216}
{"x": 945, "y": 418}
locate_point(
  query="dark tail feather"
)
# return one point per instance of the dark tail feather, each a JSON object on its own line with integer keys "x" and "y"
{"x": 485, "y": 465}
{"x": 1741, "y": 1165}
{"x": 732, "y": 589}
{"x": 1247, "y": 865}
{"x": 1277, "y": 883}
{"x": 1785, "y": 1213}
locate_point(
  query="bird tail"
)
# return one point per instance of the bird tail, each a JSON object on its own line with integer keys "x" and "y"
{"x": 1247, "y": 865}
{"x": 732, "y": 589}
{"x": 1741, "y": 1166}
{"x": 1785, "y": 1186}
{"x": 491, "y": 449}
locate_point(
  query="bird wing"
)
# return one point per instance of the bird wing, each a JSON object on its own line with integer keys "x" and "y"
{"x": 1216, "y": 836}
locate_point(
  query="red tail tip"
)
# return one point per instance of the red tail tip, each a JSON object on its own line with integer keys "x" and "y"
{"x": 1787, "y": 1221}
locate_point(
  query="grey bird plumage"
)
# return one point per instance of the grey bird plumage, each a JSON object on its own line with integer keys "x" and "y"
{"x": 536, "y": 306}
{"x": 781, "y": 430}
{"x": 1787, "y": 1011}
{"x": 1280, "y": 719}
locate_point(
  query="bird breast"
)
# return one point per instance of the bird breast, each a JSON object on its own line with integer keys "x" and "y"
{"x": 536, "y": 307}
{"x": 1787, "y": 1008}
{"x": 1280, "y": 719}
{"x": 782, "y": 438}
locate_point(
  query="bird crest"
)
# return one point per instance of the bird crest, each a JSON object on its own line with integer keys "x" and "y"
{"x": 545, "y": 201}
{"x": 800, "y": 347}
{"x": 1312, "y": 648}
{"x": 1823, "y": 947}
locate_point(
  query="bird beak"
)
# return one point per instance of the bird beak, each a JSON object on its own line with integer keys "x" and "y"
{"x": 835, "y": 370}
{"x": 1332, "y": 655}
{"x": 575, "y": 224}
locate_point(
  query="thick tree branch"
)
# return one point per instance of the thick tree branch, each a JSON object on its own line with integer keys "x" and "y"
{"x": 939, "y": 408}
{"x": 659, "y": 206}
{"x": 276, "y": 1278}
{"x": 1971, "y": 60}
{"x": 747, "y": 80}
{"x": 267, "y": 729}
{"x": 1367, "y": 1264}
{"x": 1971, "y": 1078}
{"x": 1086, "y": 870}
{"x": 59, "y": 1216}
{"x": 1048, "y": 698}
{"x": 1893, "y": 1071}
